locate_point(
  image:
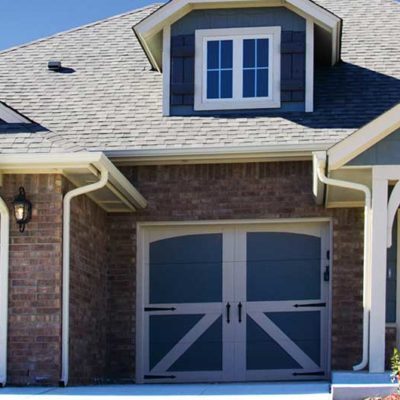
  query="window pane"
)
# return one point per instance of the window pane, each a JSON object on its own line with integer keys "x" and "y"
{"x": 226, "y": 84}
{"x": 226, "y": 54}
{"x": 213, "y": 54}
{"x": 249, "y": 53}
{"x": 249, "y": 83}
{"x": 212, "y": 84}
{"x": 262, "y": 52}
{"x": 262, "y": 83}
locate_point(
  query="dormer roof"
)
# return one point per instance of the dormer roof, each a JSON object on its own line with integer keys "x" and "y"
{"x": 149, "y": 30}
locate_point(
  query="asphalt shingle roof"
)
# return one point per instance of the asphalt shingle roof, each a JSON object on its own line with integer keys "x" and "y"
{"x": 109, "y": 99}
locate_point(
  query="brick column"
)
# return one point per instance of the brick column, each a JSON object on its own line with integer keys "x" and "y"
{"x": 35, "y": 282}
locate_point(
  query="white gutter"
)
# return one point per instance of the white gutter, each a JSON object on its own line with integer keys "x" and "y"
{"x": 320, "y": 166}
{"x": 66, "y": 267}
{"x": 4, "y": 250}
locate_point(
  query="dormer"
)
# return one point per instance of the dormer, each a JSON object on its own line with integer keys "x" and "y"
{"x": 220, "y": 57}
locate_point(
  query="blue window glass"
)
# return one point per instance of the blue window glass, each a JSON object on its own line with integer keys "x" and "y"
{"x": 249, "y": 53}
{"x": 226, "y": 54}
{"x": 219, "y": 69}
{"x": 255, "y": 68}
{"x": 212, "y": 84}
{"x": 249, "y": 78}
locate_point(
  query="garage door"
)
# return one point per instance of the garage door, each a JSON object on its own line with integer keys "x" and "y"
{"x": 233, "y": 303}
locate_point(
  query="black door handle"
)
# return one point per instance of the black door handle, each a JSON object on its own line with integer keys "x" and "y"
{"x": 228, "y": 313}
{"x": 240, "y": 312}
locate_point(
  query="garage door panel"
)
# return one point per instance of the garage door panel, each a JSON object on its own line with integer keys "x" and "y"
{"x": 205, "y": 354}
{"x": 281, "y": 261}
{"x": 186, "y": 269}
{"x": 303, "y": 328}
{"x": 165, "y": 332}
{"x": 263, "y": 352}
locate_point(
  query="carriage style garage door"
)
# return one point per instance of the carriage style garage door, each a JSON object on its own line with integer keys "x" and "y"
{"x": 233, "y": 303}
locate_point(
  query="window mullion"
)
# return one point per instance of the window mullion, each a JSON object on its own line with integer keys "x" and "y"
{"x": 237, "y": 65}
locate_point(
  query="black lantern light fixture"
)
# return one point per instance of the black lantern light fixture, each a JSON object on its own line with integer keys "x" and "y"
{"x": 22, "y": 209}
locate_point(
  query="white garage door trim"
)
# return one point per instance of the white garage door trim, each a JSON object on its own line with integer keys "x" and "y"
{"x": 303, "y": 225}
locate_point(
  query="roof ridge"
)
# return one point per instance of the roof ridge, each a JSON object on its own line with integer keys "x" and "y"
{"x": 81, "y": 27}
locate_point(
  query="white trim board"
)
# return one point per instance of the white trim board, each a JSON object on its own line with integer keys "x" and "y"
{"x": 364, "y": 138}
{"x": 210, "y": 155}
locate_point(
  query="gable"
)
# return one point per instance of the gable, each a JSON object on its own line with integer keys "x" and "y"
{"x": 362, "y": 142}
{"x": 385, "y": 152}
{"x": 293, "y": 47}
{"x": 150, "y": 30}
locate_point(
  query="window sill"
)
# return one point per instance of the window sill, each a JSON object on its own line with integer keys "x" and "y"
{"x": 236, "y": 105}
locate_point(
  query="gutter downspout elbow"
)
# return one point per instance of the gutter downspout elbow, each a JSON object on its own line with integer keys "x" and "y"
{"x": 320, "y": 169}
{"x": 4, "y": 267}
{"x": 66, "y": 267}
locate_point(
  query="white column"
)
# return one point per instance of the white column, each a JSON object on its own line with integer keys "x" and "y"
{"x": 378, "y": 273}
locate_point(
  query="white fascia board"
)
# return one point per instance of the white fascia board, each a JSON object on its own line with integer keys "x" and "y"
{"x": 10, "y": 116}
{"x": 34, "y": 163}
{"x": 164, "y": 14}
{"x": 216, "y": 154}
{"x": 364, "y": 138}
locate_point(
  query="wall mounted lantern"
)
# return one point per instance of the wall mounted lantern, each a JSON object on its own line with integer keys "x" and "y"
{"x": 22, "y": 209}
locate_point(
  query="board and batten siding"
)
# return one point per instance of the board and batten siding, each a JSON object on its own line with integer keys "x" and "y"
{"x": 293, "y": 46}
{"x": 385, "y": 152}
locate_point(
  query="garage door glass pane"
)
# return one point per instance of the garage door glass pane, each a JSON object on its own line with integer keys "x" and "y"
{"x": 283, "y": 266}
{"x": 186, "y": 269}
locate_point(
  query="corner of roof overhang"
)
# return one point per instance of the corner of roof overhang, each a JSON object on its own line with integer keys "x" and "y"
{"x": 167, "y": 14}
{"x": 364, "y": 138}
{"x": 77, "y": 164}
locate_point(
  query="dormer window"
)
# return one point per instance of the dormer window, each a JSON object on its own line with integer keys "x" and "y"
{"x": 237, "y": 68}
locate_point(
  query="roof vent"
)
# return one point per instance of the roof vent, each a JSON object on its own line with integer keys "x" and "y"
{"x": 54, "y": 66}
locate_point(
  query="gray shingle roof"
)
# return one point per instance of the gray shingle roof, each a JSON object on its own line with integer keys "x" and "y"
{"x": 111, "y": 100}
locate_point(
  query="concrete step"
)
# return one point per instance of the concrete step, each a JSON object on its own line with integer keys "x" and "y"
{"x": 359, "y": 385}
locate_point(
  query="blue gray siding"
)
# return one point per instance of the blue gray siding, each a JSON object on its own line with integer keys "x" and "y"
{"x": 385, "y": 152}
{"x": 293, "y": 52}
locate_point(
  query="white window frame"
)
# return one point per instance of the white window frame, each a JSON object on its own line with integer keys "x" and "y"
{"x": 238, "y": 102}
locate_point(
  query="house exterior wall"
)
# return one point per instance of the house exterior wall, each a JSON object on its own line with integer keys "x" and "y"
{"x": 103, "y": 263}
{"x": 88, "y": 291}
{"x": 234, "y": 191}
{"x": 292, "y": 49}
{"x": 34, "y": 321}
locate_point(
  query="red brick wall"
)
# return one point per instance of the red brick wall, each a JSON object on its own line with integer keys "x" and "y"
{"x": 35, "y": 282}
{"x": 88, "y": 292}
{"x": 233, "y": 191}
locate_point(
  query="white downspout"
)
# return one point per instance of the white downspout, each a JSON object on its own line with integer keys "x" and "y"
{"x": 4, "y": 251}
{"x": 66, "y": 267}
{"x": 321, "y": 164}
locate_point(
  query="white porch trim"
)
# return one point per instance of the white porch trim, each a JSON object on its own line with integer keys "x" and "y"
{"x": 378, "y": 247}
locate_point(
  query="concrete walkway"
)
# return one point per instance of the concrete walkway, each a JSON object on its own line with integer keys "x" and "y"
{"x": 234, "y": 391}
